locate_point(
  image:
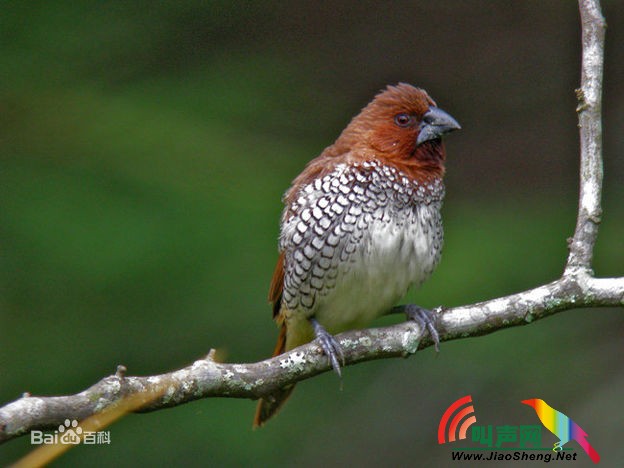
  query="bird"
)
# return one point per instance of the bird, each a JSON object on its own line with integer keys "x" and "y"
{"x": 562, "y": 426}
{"x": 360, "y": 225}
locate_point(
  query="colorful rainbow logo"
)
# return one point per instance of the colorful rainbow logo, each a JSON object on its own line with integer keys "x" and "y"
{"x": 465, "y": 414}
{"x": 562, "y": 426}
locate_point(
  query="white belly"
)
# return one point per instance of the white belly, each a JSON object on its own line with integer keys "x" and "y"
{"x": 391, "y": 258}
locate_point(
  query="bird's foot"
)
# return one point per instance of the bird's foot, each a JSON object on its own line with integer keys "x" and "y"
{"x": 329, "y": 344}
{"x": 424, "y": 317}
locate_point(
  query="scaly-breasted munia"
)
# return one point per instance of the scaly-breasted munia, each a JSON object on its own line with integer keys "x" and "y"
{"x": 361, "y": 224}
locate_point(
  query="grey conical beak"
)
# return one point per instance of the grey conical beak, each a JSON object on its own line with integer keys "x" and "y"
{"x": 435, "y": 123}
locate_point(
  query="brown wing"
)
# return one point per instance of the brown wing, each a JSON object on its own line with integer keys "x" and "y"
{"x": 277, "y": 285}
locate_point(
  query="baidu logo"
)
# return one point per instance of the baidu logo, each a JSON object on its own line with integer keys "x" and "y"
{"x": 70, "y": 433}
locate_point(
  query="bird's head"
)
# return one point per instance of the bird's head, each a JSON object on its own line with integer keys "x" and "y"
{"x": 402, "y": 126}
{"x": 532, "y": 402}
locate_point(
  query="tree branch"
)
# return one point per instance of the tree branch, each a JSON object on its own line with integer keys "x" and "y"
{"x": 208, "y": 378}
{"x": 589, "y": 97}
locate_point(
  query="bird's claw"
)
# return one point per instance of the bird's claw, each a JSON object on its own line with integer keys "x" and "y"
{"x": 330, "y": 346}
{"x": 423, "y": 317}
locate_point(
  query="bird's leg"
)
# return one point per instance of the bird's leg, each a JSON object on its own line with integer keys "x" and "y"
{"x": 424, "y": 317}
{"x": 329, "y": 344}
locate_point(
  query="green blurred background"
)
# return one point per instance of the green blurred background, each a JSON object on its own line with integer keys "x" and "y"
{"x": 144, "y": 149}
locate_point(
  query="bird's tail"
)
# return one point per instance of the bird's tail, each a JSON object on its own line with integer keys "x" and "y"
{"x": 588, "y": 449}
{"x": 269, "y": 405}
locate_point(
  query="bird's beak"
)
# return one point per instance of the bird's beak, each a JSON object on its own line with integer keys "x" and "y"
{"x": 529, "y": 402}
{"x": 435, "y": 123}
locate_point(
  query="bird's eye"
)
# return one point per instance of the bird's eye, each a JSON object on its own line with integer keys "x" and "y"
{"x": 403, "y": 120}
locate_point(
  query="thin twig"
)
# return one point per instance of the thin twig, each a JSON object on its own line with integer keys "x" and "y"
{"x": 589, "y": 97}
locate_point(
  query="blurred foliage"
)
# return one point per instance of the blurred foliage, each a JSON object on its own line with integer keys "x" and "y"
{"x": 144, "y": 148}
